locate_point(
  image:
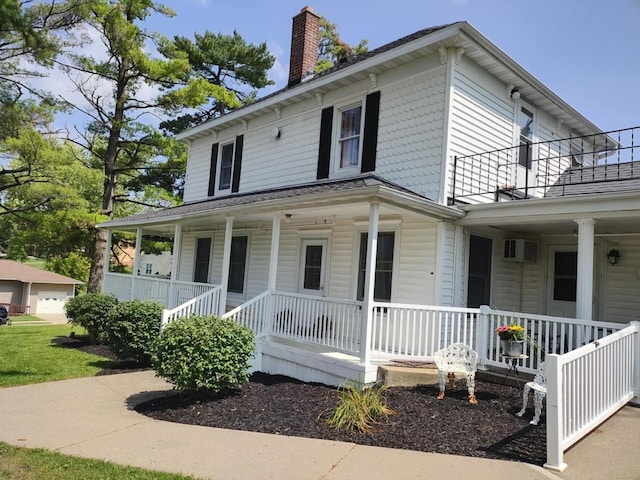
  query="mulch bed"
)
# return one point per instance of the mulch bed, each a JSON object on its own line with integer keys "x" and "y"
{"x": 281, "y": 405}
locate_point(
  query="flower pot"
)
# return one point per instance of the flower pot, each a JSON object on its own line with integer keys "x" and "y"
{"x": 512, "y": 348}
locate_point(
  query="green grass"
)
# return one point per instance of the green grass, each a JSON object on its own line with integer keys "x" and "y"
{"x": 28, "y": 356}
{"x": 18, "y": 463}
{"x": 25, "y": 318}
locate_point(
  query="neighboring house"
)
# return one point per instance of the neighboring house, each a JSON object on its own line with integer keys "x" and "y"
{"x": 31, "y": 290}
{"x": 351, "y": 219}
{"x": 158, "y": 265}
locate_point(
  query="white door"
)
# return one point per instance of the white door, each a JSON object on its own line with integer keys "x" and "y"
{"x": 525, "y": 169}
{"x": 312, "y": 267}
{"x": 561, "y": 281}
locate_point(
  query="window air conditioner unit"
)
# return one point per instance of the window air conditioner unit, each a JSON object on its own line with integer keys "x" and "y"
{"x": 520, "y": 250}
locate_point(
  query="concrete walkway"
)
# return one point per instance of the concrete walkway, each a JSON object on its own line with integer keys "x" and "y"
{"x": 93, "y": 417}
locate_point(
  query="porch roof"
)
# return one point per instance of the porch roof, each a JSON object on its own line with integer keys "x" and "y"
{"x": 311, "y": 197}
{"x": 615, "y": 214}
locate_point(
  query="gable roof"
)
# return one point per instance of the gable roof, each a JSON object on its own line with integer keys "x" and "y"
{"x": 607, "y": 178}
{"x": 424, "y": 42}
{"x": 10, "y": 270}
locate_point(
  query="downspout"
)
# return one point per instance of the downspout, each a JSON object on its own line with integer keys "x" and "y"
{"x": 370, "y": 273}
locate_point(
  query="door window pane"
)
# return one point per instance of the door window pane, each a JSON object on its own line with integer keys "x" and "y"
{"x": 479, "y": 281}
{"x": 525, "y": 121}
{"x": 313, "y": 267}
{"x": 565, "y": 276}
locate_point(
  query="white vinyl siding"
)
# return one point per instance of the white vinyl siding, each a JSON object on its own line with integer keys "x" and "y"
{"x": 481, "y": 117}
{"x": 410, "y": 143}
{"x": 623, "y": 282}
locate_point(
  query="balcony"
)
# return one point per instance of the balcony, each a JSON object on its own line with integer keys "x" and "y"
{"x": 591, "y": 164}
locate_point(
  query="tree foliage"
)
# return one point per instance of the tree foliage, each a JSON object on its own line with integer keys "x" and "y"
{"x": 332, "y": 49}
{"x": 233, "y": 70}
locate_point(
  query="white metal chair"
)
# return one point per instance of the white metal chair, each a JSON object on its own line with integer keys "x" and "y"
{"x": 456, "y": 358}
{"x": 539, "y": 386}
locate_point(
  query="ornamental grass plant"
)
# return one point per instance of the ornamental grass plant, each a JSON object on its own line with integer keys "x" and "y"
{"x": 359, "y": 408}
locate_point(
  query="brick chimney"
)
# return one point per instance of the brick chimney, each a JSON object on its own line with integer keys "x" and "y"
{"x": 304, "y": 45}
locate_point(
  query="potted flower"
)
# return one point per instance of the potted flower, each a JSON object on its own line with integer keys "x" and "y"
{"x": 512, "y": 338}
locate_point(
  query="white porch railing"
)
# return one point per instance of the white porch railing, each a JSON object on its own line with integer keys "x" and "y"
{"x": 551, "y": 335}
{"x": 323, "y": 321}
{"x": 588, "y": 385}
{"x": 207, "y": 303}
{"x": 417, "y": 331}
{"x": 170, "y": 293}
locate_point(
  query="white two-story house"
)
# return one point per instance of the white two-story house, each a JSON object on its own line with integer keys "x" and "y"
{"x": 366, "y": 213}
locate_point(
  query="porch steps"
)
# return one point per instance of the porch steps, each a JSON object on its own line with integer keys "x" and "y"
{"x": 407, "y": 374}
{"x": 414, "y": 373}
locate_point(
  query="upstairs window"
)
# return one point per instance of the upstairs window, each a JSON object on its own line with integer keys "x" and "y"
{"x": 226, "y": 167}
{"x": 226, "y": 162}
{"x": 350, "y": 137}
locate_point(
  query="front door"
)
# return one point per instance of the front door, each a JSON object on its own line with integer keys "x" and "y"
{"x": 479, "y": 278}
{"x": 312, "y": 267}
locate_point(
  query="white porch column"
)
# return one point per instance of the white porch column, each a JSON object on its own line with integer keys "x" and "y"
{"x": 107, "y": 258}
{"x": 369, "y": 283}
{"x": 275, "y": 248}
{"x": 226, "y": 260}
{"x": 136, "y": 261}
{"x": 584, "y": 287}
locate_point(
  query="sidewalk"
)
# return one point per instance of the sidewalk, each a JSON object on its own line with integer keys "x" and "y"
{"x": 92, "y": 417}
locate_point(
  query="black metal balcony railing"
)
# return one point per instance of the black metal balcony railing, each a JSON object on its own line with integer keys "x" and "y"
{"x": 599, "y": 163}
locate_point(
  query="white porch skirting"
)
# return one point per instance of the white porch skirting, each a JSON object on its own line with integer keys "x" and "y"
{"x": 310, "y": 363}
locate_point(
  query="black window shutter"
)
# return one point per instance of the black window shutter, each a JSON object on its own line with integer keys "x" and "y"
{"x": 237, "y": 164}
{"x": 324, "y": 152}
{"x": 370, "y": 140}
{"x": 212, "y": 169}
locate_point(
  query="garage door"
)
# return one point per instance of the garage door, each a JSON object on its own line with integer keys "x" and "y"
{"x": 50, "y": 304}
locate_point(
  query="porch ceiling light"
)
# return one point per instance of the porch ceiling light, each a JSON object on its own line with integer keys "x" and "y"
{"x": 613, "y": 256}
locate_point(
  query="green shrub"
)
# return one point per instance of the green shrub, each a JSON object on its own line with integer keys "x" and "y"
{"x": 203, "y": 355}
{"x": 132, "y": 328}
{"x": 91, "y": 311}
{"x": 359, "y": 408}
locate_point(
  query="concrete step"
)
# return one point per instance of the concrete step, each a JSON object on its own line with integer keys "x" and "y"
{"x": 407, "y": 375}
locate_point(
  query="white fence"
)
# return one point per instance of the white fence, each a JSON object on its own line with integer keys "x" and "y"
{"x": 548, "y": 335}
{"x": 207, "y": 303}
{"x": 170, "y": 293}
{"x": 417, "y": 331}
{"x": 588, "y": 385}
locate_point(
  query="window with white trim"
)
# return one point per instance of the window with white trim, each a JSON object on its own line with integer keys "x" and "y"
{"x": 349, "y": 137}
{"x": 148, "y": 268}
{"x": 226, "y": 166}
{"x": 238, "y": 264}
{"x": 384, "y": 266}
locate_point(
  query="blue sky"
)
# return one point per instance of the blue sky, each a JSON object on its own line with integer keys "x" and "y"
{"x": 586, "y": 51}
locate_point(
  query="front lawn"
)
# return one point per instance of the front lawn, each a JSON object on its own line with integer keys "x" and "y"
{"x": 18, "y": 463}
{"x": 27, "y": 355}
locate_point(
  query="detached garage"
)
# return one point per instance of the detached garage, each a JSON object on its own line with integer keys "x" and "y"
{"x": 31, "y": 290}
